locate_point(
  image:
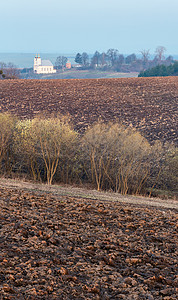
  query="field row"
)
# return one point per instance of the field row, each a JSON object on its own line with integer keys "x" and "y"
{"x": 149, "y": 104}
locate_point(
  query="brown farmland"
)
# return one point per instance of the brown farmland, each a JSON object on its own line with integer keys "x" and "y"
{"x": 63, "y": 247}
{"x": 149, "y": 104}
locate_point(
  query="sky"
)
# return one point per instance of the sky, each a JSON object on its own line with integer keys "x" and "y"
{"x": 71, "y": 26}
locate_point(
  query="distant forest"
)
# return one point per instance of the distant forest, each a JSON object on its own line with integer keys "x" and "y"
{"x": 161, "y": 70}
{"x": 112, "y": 60}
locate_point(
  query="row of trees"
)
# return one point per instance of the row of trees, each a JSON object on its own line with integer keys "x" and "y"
{"x": 106, "y": 61}
{"x": 161, "y": 70}
{"x": 107, "y": 156}
{"x": 113, "y": 60}
{"x": 82, "y": 59}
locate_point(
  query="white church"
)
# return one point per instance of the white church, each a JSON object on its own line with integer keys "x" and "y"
{"x": 43, "y": 66}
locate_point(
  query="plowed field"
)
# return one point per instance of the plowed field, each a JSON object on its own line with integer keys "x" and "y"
{"x": 55, "y": 246}
{"x": 149, "y": 104}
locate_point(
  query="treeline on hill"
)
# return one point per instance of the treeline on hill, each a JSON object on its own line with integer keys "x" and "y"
{"x": 113, "y": 60}
{"x": 161, "y": 70}
{"x": 107, "y": 156}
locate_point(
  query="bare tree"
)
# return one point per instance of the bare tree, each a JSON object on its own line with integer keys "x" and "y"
{"x": 145, "y": 57}
{"x": 60, "y": 62}
{"x": 160, "y": 50}
{"x": 116, "y": 157}
{"x": 145, "y": 54}
{"x": 112, "y": 55}
{"x": 9, "y": 71}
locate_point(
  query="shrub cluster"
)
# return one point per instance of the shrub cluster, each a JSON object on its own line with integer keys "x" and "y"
{"x": 161, "y": 70}
{"x": 108, "y": 156}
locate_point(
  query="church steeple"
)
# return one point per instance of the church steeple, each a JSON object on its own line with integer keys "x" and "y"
{"x": 37, "y": 62}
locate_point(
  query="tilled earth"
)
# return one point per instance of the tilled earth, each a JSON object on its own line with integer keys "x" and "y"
{"x": 148, "y": 104}
{"x": 59, "y": 247}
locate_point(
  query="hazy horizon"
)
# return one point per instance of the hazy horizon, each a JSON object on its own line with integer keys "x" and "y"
{"x": 25, "y": 60}
{"x": 55, "y": 26}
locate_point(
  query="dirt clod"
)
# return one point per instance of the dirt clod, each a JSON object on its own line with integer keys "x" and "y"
{"x": 77, "y": 253}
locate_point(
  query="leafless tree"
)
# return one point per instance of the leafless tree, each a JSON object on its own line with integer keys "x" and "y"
{"x": 145, "y": 55}
{"x": 60, "y": 62}
{"x": 116, "y": 157}
{"x": 10, "y": 71}
{"x": 160, "y": 50}
{"x": 112, "y": 55}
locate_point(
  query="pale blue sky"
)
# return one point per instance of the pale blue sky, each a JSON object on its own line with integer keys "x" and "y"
{"x": 72, "y": 26}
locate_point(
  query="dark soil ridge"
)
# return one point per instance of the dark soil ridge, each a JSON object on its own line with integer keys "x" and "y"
{"x": 148, "y": 104}
{"x": 72, "y": 191}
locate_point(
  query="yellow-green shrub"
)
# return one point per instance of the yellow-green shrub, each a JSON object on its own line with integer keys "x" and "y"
{"x": 43, "y": 142}
{"x": 7, "y": 124}
{"x": 116, "y": 157}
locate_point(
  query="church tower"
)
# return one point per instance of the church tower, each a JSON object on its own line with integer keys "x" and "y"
{"x": 37, "y": 62}
{"x": 41, "y": 66}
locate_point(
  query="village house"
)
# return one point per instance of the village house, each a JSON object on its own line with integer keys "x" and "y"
{"x": 43, "y": 66}
{"x": 68, "y": 65}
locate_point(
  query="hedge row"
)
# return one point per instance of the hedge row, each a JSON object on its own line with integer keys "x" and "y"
{"x": 108, "y": 156}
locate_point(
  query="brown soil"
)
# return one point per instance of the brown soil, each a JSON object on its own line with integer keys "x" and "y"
{"x": 149, "y": 104}
{"x": 56, "y": 245}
